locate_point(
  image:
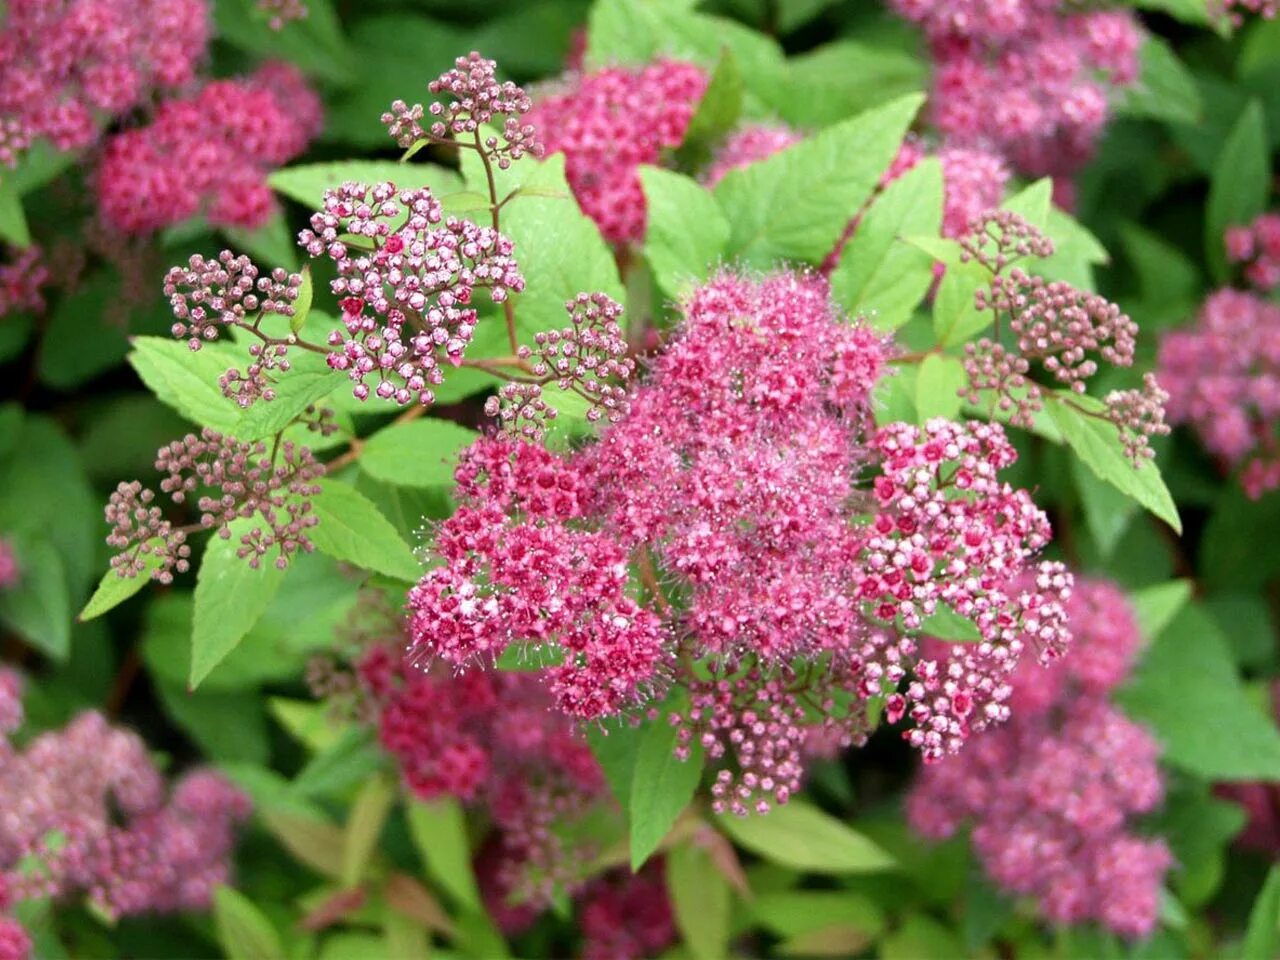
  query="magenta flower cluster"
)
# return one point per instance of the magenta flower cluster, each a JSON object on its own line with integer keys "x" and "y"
{"x": 209, "y": 152}
{"x": 1257, "y": 247}
{"x": 1223, "y": 378}
{"x": 71, "y": 66}
{"x": 83, "y": 810}
{"x": 626, "y": 914}
{"x": 406, "y": 278}
{"x": 1052, "y": 796}
{"x": 609, "y": 122}
{"x": 1028, "y": 79}
{"x": 10, "y": 569}
{"x": 21, "y": 281}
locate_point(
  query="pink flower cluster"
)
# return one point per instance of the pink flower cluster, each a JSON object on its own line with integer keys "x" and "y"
{"x": 1223, "y": 378}
{"x": 15, "y": 942}
{"x": 21, "y": 280}
{"x": 626, "y": 915}
{"x": 1026, "y": 78}
{"x": 609, "y": 122}
{"x": 1052, "y": 796}
{"x": 208, "y": 153}
{"x": 405, "y": 285}
{"x": 1257, "y": 246}
{"x": 747, "y": 145}
{"x": 84, "y": 810}
{"x": 10, "y": 571}
{"x": 69, "y": 66}
{"x": 280, "y": 12}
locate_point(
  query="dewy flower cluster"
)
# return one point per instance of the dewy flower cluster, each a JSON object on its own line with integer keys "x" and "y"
{"x": 70, "y": 66}
{"x": 1257, "y": 246}
{"x": 609, "y": 122}
{"x": 732, "y": 483}
{"x": 1026, "y": 78}
{"x": 208, "y": 153}
{"x": 1052, "y": 796}
{"x": 83, "y": 810}
{"x": 1223, "y": 377}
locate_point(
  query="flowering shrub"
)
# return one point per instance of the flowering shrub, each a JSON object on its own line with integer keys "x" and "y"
{"x": 694, "y": 485}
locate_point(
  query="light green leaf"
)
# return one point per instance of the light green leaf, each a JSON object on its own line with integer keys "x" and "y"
{"x": 1240, "y": 184}
{"x": 1076, "y": 252}
{"x": 686, "y": 233}
{"x": 1156, "y": 606}
{"x": 13, "y": 220}
{"x": 1107, "y": 511}
{"x": 1096, "y": 442}
{"x": 844, "y": 78}
{"x": 794, "y": 205}
{"x": 956, "y": 316}
{"x": 364, "y": 825}
{"x": 229, "y": 727}
{"x": 302, "y": 306}
{"x": 938, "y": 384}
{"x": 353, "y": 758}
{"x": 1262, "y": 938}
{"x": 38, "y": 606}
{"x": 880, "y": 276}
{"x": 421, "y": 453}
{"x": 308, "y": 381}
{"x": 717, "y": 112}
{"x": 921, "y": 936}
{"x": 945, "y": 624}
{"x": 272, "y": 244}
{"x": 352, "y": 529}
{"x": 312, "y": 840}
{"x": 1165, "y": 90}
{"x": 306, "y": 183}
{"x": 802, "y": 837}
{"x": 230, "y": 597}
{"x": 310, "y": 723}
{"x": 439, "y": 831}
{"x": 661, "y": 787}
{"x": 790, "y": 913}
{"x": 114, "y": 589}
{"x": 186, "y": 381}
{"x": 700, "y": 898}
{"x": 616, "y": 747}
{"x": 1187, "y": 691}
{"x": 244, "y": 932}
{"x": 1034, "y": 202}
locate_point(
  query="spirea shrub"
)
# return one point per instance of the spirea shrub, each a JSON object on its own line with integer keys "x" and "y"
{"x": 695, "y": 485}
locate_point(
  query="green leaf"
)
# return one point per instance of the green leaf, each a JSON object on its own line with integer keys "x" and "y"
{"x": 229, "y": 727}
{"x": 364, "y": 825}
{"x": 1165, "y": 90}
{"x": 302, "y": 306}
{"x": 230, "y": 597}
{"x": 717, "y": 113}
{"x": 661, "y": 787}
{"x": 686, "y": 233}
{"x": 352, "y": 529}
{"x": 114, "y": 589}
{"x": 938, "y": 384}
{"x": 795, "y": 204}
{"x": 312, "y": 840}
{"x": 1198, "y": 828}
{"x": 310, "y": 723}
{"x": 1156, "y": 606}
{"x": 38, "y": 606}
{"x": 315, "y": 43}
{"x": 82, "y": 338}
{"x": 802, "y": 837}
{"x": 272, "y": 244}
{"x": 439, "y": 831}
{"x": 13, "y": 221}
{"x": 790, "y": 913}
{"x": 844, "y": 78}
{"x": 352, "y": 759}
{"x": 421, "y": 453}
{"x": 1096, "y": 442}
{"x": 306, "y": 183}
{"x": 945, "y": 624}
{"x": 1107, "y": 511}
{"x": 1188, "y": 692}
{"x": 1033, "y": 202}
{"x": 308, "y": 381}
{"x": 243, "y": 931}
{"x": 956, "y": 316}
{"x": 1239, "y": 186}
{"x": 921, "y": 936}
{"x": 186, "y": 381}
{"x": 880, "y": 276}
{"x": 616, "y": 747}
{"x": 1262, "y": 938}
{"x": 700, "y": 899}
{"x": 1076, "y": 252}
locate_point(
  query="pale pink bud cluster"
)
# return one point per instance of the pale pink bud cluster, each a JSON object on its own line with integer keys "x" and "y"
{"x": 624, "y": 915}
{"x": 21, "y": 280}
{"x": 1257, "y": 246}
{"x": 1223, "y": 378}
{"x": 89, "y": 807}
{"x": 15, "y": 942}
{"x": 477, "y": 97}
{"x": 1053, "y": 795}
{"x": 238, "y": 480}
{"x": 406, "y": 278}
{"x": 280, "y": 12}
{"x": 208, "y": 153}
{"x": 10, "y": 570}
{"x": 71, "y": 66}
{"x": 1235, "y": 10}
{"x": 609, "y": 122}
{"x": 1027, "y": 78}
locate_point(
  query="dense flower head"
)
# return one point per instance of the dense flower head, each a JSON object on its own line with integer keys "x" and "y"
{"x": 70, "y": 66}
{"x": 1257, "y": 246}
{"x": 626, "y": 915}
{"x": 1223, "y": 378}
{"x": 84, "y": 810}
{"x": 405, "y": 285}
{"x": 209, "y": 152}
{"x": 229, "y": 480}
{"x": 1028, "y": 78}
{"x": 609, "y": 122}
{"x": 476, "y": 98}
{"x": 21, "y": 280}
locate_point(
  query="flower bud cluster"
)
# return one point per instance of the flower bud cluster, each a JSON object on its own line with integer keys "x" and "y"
{"x": 1257, "y": 246}
{"x": 280, "y": 12}
{"x": 10, "y": 570}
{"x": 21, "y": 280}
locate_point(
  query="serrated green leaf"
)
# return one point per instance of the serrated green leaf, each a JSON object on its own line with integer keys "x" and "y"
{"x": 1239, "y": 186}
{"x": 1033, "y": 202}
{"x": 1156, "y": 606}
{"x": 700, "y": 900}
{"x": 938, "y": 384}
{"x": 1262, "y": 937}
{"x": 615, "y": 748}
{"x": 840, "y": 79}
{"x": 421, "y": 453}
{"x": 880, "y": 276}
{"x": 230, "y": 597}
{"x": 1097, "y": 444}
{"x": 302, "y": 306}
{"x": 352, "y": 529}
{"x": 661, "y": 787}
{"x": 307, "y": 183}
{"x": 802, "y": 837}
{"x": 794, "y": 205}
{"x": 439, "y": 831}
{"x": 686, "y": 233}
{"x": 956, "y": 316}
{"x": 114, "y": 589}
{"x": 186, "y": 381}
{"x": 368, "y": 816}
{"x": 945, "y": 624}
{"x": 308, "y": 381}
{"x": 38, "y": 606}
{"x": 1107, "y": 511}
{"x": 244, "y": 932}
{"x": 717, "y": 112}
{"x": 13, "y": 220}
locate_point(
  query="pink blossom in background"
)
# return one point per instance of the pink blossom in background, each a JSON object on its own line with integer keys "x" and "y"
{"x": 1257, "y": 246}
{"x": 626, "y": 915}
{"x": 10, "y": 571}
{"x": 609, "y": 122}
{"x": 208, "y": 153}
{"x": 21, "y": 280}
{"x": 749, "y": 145}
{"x": 70, "y": 66}
{"x": 1052, "y": 795}
{"x": 1223, "y": 379}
